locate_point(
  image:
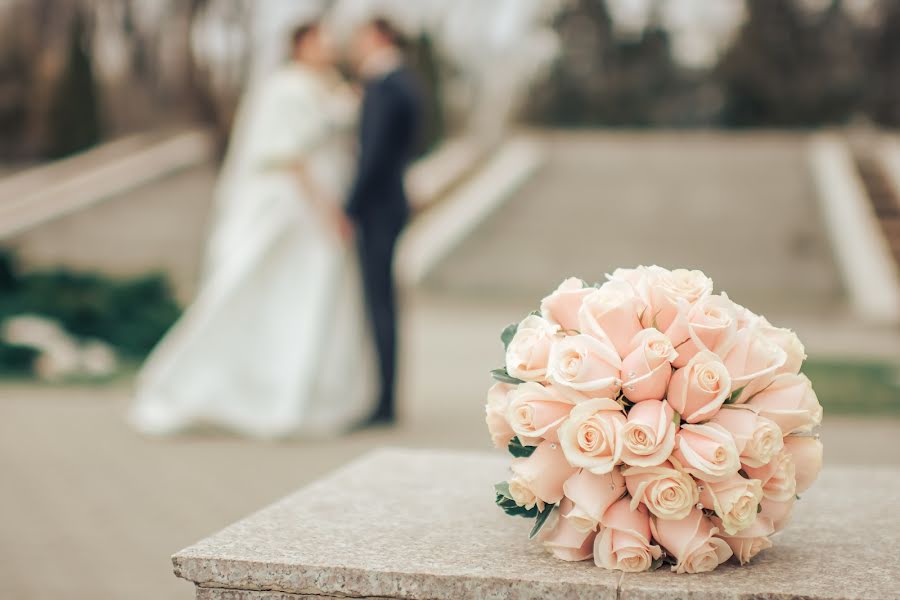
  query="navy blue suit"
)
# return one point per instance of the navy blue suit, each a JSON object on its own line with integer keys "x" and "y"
{"x": 379, "y": 207}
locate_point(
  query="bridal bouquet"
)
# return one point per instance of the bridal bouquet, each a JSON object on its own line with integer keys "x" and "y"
{"x": 652, "y": 421}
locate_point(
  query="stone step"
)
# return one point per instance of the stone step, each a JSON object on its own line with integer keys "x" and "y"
{"x": 423, "y": 524}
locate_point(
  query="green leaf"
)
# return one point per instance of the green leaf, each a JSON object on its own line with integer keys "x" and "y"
{"x": 758, "y": 508}
{"x": 510, "y": 507}
{"x": 734, "y": 395}
{"x": 797, "y": 496}
{"x": 743, "y": 474}
{"x": 502, "y": 488}
{"x": 519, "y": 450}
{"x": 502, "y": 376}
{"x": 540, "y": 520}
{"x": 676, "y": 418}
{"x": 535, "y": 313}
{"x": 656, "y": 564}
{"x": 508, "y": 334}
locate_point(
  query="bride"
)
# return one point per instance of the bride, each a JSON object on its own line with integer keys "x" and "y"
{"x": 275, "y": 341}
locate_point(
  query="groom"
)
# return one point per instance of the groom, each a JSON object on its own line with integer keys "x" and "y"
{"x": 377, "y": 204}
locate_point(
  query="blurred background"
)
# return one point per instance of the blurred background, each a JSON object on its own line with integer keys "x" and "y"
{"x": 756, "y": 140}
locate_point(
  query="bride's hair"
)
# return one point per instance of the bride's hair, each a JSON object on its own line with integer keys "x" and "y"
{"x": 302, "y": 30}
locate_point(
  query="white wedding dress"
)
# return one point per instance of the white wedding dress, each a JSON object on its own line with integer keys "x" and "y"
{"x": 276, "y": 341}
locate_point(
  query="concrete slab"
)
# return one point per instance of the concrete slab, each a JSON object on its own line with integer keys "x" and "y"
{"x": 422, "y": 524}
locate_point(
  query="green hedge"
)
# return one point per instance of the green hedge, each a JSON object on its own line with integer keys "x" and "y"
{"x": 131, "y": 315}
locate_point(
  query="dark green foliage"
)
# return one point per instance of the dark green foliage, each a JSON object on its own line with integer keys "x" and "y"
{"x": 518, "y": 450}
{"x": 131, "y": 315}
{"x": 74, "y": 114}
{"x": 502, "y": 376}
{"x": 508, "y": 334}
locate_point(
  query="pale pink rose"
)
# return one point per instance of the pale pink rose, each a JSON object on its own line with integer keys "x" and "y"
{"x": 806, "y": 454}
{"x": 520, "y": 491}
{"x": 666, "y": 490}
{"x": 612, "y": 314}
{"x": 746, "y": 317}
{"x": 692, "y": 542}
{"x": 707, "y": 452}
{"x": 591, "y": 495}
{"x": 562, "y": 306}
{"x": 757, "y": 438}
{"x": 749, "y": 542}
{"x": 649, "y": 433}
{"x": 624, "y": 539}
{"x": 790, "y": 402}
{"x": 590, "y": 437}
{"x": 777, "y": 511}
{"x": 778, "y": 477}
{"x": 735, "y": 501}
{"x": 710, "y": 325}
{"x": 788, "y": 341}
{"x": 495, "y": 414}
{"x": 585, "y": 364}
{"x": 535, "y": 412}
{"x": 752, "y": 361}
{"x": 529, "y": 350}
{"x": 646, "y": 370}
{"x": 544, "y": 472}
{"x": 669, "y": 292}
{"x": 565, "y": 540}
{"x": 699, "y": 389}
{"x": 636, "y": 278}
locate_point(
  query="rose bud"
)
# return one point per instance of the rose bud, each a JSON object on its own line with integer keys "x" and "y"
{"x": 752, "y": 361}
{"x": 565, "y": 540}
{"x": 495, "y": 414}
{"x": 591, "y": 495}
{"x": 806, "y": 454}
{"x": 790, "y": 402}
{"x": 520, "y": 491}
{"x": 648, "y": 367}
{"x": 649, "y": 433}
{"x": 585, "y": 364}
{"x": 529, "y": 350}
{"x": 667, "y": 491}
{"x": 624, "y": 540}
{"x": 612, "y": 314}
{"x": 757, "y": 438}
{"x": 778, "y": 477}
{"x": 749, "y": 542}
{"x": 535, "y": 412}
{"x": 590, "y": 436}
{"x": 707, "y": 452}
{"x": 544, "y": 472}
{"x": 709, "y": 325}
{"x": 788, "y": 341}
{"x": 691, "y": 541}
{"x": 735, "y": 501}
{"x": 698, "y": 390}
{"x": 777, "y": 511}
{"x": 669, "y": 291}
{"x": 561, "y": 307}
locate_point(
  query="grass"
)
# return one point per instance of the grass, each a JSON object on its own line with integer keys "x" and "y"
{"x": 855, "y": 387}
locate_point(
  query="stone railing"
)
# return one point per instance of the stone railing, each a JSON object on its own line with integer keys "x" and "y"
{"x": 422, "y": 524}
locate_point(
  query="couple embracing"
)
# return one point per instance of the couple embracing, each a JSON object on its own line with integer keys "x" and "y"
{"x": 293, "y": 329}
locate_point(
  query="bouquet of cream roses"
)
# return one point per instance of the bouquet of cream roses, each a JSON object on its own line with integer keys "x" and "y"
{"x": 653, "y": 422}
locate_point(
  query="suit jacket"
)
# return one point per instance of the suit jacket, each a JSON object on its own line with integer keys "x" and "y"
{"x": 387, "y": 135}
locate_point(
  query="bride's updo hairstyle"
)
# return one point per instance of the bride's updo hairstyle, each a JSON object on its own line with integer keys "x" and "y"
{"x": 310, "y": 44}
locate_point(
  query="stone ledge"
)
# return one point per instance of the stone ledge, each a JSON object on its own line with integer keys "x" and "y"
{"x": 422, "y": 524}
